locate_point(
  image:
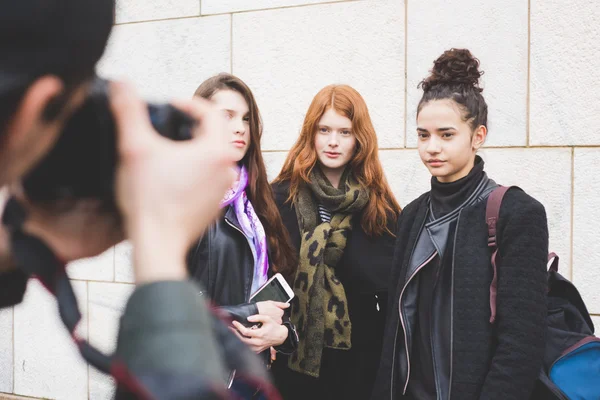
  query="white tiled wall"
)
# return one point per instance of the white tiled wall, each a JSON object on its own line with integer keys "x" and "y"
{"x": 542, "y": 82}
{"x": 496, "y": 33}
{"x": 141, "y": 10}
{"x": 6, "y": 350}
{"x": 100, "y": 268}
{"x": 46, "y": 361}
{"x": 565, "y": 80}
{"x": 106, "y": 303}
{"x": 124, "y": 263}
{"x": 586, "y": 274}
{"x": 230, "y": 6}
{"x": 286, "y": 56}
{"x": 170, "y": 57}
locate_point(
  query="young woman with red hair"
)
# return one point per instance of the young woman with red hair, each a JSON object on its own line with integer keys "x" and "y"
{"x": 340, "y": 213}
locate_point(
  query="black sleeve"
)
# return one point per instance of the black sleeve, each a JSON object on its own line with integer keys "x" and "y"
{"x": 241, "y": 312}
{"x": 521, "y": 301}
{"x": 291, "y": 343}
{"x": 12, "y": 288}
{"x": 197, "y": 261}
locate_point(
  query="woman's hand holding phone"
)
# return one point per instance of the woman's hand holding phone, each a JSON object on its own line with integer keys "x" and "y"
{"x": 260, "y": 339}
{"x": 273, "y": 309}
{"x": 268, "y": 330}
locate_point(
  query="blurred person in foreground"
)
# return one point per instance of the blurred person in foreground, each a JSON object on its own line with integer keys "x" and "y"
{"x": 167, "y": 346}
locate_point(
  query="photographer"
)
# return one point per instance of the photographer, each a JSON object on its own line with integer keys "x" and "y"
{"x": 44, "y": 74}
{"x": 167, "y": 346}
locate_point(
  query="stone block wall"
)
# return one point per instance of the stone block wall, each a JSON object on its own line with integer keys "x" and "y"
{"x": 542, "y": 80}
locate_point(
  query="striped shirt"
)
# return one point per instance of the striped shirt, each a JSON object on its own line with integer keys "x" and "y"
{"x": 324, "y": 214}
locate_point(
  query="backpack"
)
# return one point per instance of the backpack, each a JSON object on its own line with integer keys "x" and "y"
{"x": 571, "y": 368}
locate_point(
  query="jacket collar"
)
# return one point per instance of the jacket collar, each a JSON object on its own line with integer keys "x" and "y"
{"x": 481, "y": 192}
{"x": 232, "y": 218}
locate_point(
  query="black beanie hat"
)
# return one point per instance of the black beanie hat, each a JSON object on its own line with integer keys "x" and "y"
{"x": 65, "y": 38}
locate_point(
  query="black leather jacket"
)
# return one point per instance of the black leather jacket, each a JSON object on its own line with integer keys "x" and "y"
{"x": 432, "y": 244}
{"x": 223, "y": 263}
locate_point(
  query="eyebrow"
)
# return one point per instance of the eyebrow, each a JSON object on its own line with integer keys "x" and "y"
{"x": 234, "y": 111}
{"x": 327, "y": 126}
{"x": 444, "y": 129}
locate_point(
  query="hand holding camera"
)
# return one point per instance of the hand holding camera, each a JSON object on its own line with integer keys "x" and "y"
{"x": 122, "y": 169}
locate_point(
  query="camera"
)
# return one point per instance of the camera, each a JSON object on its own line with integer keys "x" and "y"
{"x": 82, "y": 163}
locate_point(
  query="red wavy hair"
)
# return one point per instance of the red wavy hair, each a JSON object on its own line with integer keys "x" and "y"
{"x": 365, "y": 165}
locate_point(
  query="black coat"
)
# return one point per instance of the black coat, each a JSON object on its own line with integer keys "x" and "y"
{"x": 364, "y": 271}
{"x": 499, "y": 361}
{"x": 222, "y": 261}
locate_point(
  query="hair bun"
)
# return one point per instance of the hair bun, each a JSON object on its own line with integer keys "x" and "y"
{"x": 454, "y": 67}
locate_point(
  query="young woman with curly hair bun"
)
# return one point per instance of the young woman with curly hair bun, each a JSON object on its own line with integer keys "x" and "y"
{"x": 439, "y": 341}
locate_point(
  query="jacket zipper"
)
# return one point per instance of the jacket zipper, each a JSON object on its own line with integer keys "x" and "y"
{"x": 452, "y": 306}
{"x": 398, "y": 324}
{"x": 435, "y": 373}
{"x": 402, "y": 318}
{"x": 433, "y": 353}
{"x": 246, "y": 237}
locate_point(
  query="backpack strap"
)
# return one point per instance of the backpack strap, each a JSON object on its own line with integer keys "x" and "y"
{"x": 492, "y": 214}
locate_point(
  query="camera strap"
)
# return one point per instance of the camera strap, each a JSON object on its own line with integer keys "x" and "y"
{"x": 37, "y": 260}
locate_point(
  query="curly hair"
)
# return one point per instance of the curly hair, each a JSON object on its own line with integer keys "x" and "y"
{"x": 455, "y": 76}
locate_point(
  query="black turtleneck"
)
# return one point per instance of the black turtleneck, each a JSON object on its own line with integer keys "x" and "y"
{"x": 446, "y": 197}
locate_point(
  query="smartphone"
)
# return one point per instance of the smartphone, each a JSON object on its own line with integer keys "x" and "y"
{"x": 276, "y": 289}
